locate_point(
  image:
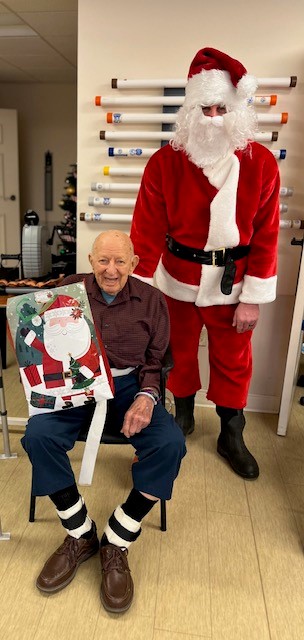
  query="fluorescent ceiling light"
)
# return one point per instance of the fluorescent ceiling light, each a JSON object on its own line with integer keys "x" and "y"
{"x": 17, "y": 31}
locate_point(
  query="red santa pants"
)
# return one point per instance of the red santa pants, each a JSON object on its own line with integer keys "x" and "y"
{"x": 230, "y": 356}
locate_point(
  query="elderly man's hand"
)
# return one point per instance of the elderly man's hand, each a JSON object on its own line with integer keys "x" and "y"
{"x": 245, "y": 317}
{"x": 138, "y": 416}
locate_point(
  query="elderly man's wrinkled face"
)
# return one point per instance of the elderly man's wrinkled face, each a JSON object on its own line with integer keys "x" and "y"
{"x": 112, "y": 261}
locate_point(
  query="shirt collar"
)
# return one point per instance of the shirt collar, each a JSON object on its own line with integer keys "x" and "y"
{"x": 129, "y": 291}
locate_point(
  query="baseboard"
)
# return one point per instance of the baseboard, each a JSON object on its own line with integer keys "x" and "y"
{"x": 16, "y": 422}
{"x": 257, "y": 403}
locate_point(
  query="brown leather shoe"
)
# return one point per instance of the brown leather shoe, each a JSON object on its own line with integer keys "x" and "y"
{"x": 60, "y": 569}
{"x": 117, "y": 587}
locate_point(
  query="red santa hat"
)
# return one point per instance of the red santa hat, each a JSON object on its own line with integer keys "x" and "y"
{"x": 61, "y": 307}
{"x": 216, "y": 78}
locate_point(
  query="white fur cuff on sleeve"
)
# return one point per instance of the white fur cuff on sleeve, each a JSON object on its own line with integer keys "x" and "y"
{"x": 258, "y": 290}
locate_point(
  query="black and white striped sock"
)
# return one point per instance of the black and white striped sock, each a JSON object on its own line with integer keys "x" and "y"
{"x": 75, "y": 519}
{"x": 121, "y": 529}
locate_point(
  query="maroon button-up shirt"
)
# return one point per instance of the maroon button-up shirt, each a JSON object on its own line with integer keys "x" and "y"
{"x": 134, "y": 328}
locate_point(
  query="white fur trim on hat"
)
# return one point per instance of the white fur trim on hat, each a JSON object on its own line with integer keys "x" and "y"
{"x": 215, "y": 87}
{"x": 59, "y": 312}
{"x": 210, "y": 87}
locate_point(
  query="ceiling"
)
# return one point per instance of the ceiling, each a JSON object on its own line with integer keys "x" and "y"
{"x": 38, "y": 41}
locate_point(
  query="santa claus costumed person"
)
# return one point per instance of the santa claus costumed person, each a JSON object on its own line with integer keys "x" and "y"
{"x": 206, "y": 225}
{"x": 69, "y": 355}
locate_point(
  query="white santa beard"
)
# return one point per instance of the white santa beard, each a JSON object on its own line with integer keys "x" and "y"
{"x": 206, "y": 143}
{"x": 65, "y": 343}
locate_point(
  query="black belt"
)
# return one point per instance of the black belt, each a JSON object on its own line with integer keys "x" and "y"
{"x": 219, "y": 258}
{"x": 49, "y": 377}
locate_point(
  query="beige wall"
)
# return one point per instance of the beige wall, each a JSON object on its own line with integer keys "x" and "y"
{"x": 140, "y": 39}
{"x": 47, "y": 116}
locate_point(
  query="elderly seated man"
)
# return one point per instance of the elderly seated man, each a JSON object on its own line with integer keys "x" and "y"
{"x": 132, "y": 319}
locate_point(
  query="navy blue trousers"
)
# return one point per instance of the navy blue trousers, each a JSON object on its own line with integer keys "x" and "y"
{"x": 159, "y": 447}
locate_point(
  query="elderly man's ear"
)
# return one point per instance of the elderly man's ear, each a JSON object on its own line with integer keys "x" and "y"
{"x": 135, "y": 261}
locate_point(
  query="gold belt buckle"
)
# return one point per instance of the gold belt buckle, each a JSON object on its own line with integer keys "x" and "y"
{"x": 223, "y": 249}
{"x": 67, "y": 374}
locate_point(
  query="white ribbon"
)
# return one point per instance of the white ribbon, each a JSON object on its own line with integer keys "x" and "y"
{"x": 92, "y": 443}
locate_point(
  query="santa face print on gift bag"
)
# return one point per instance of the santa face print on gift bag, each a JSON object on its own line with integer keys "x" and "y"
{"x": 60, "y": 358}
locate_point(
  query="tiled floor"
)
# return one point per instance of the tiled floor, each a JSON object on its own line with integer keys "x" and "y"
{"x": 229, "y": 567}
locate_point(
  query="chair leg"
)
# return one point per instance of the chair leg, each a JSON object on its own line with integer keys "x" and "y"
{"x": 163, "y": 516}
{"x": 32, "y": 508}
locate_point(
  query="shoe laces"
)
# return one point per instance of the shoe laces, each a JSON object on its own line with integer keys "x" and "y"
{"x": 113, "y": 558}
{"x": 69, "y": 546}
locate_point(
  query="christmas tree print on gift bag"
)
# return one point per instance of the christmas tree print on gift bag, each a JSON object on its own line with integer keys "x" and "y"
{"x": 62, "y": 360}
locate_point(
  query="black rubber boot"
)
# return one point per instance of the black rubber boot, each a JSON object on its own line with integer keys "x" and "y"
{"x": 184, "y": 409}
{"x": 231, "y": 445}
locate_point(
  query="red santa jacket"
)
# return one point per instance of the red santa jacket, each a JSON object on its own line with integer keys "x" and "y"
{"x": 176, "y": 198}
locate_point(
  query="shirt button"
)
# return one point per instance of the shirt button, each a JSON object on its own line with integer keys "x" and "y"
{"x": 107, "y": 325}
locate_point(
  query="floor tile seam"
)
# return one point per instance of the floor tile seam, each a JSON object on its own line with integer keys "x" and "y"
{"x": 228, "y": 513}
{"x": 208, "y": 543}
{"x": 94, "y": 637}
{"x": 40, "y": 618}
{"x": 182, "y": 633}
{"x": 157, "y": 578}
{"x": 259, "y": 565}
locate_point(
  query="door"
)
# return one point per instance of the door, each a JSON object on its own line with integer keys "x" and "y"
{"x": 294, "y": 352}
{"x": 9, "y": 184}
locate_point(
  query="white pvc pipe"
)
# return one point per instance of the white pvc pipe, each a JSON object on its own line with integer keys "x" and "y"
{"x": 283, "y": 208}
{"x": 262, "y": 136}
{"x": 94, "y": 216}
{"x": 291, "y": 224}
{"x": 272, "y": 118}
{"x": 147, "y": 152}
{"x": 134, "y": 186}
{"x": 263, "y": 101}
{"x": 135, "y": 101}
{"x": 113, "y": 217}
{"x": 280, "y": 154}
{"x": 171, "y": 101}
{"x": 122, "y": 171}
{"x": 170, "y": 118}
{"x": 115, "y": 186}
{"x": 135, "y": 135}
{"x": 133, "y": 152}
{"x": 266, "y": 136}
{"x": 179, "y": 83}
{"x": 95, "y": 201}
{"x": 286, "y": 191}
{"x": 143, "y": 118}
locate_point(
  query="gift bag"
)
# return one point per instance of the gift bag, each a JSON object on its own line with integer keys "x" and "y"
{"x": 61, "y": 358}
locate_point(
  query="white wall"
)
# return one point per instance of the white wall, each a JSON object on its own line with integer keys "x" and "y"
{"x": 140, "y": 39}
{"x": 47, "y": 121}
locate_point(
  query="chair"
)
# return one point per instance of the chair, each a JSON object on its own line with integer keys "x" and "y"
{"x": 110, "y": 438}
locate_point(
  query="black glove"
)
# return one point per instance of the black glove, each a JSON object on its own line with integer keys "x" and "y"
{"x": 24, "y": 331}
